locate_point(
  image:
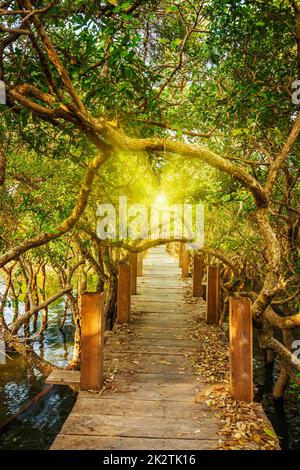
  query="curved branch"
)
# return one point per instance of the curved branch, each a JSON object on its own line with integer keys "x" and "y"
{"x": 68, "y": 223}
{"x": 218, "y": 254}
{"x": 275, "y": 166}
{"x": 121, "y": 141}
{"x": 27, "y": 315}
{"x": 143, "y": 245}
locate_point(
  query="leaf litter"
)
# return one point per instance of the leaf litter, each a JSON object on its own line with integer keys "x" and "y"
{"x": 244, "y": 425}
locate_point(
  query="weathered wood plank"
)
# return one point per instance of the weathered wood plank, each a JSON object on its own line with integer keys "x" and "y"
{"x": 108, "y": 425}
{"x": 148, "y": 347}
{"x": 125, "y": 406}
{"x": 154, "y": 343}
{"x": 61, "y": 377}
{"x": 152, "y": 364}
{"x": 158, "y": 379}
{"x": 180, "y": 392}
{"x": 69, "y": 442}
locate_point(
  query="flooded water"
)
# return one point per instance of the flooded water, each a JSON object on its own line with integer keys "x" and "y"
{"x": 37, "y": 426}
{"x": 284, "y": 413}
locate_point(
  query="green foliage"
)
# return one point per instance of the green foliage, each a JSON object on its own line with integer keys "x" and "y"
{"x": 223, "y": 68}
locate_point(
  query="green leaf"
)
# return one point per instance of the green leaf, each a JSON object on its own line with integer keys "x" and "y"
{"x": 270, "y": 433}
{"x": 172, "y": 9}
{"x": 175, "y": 43}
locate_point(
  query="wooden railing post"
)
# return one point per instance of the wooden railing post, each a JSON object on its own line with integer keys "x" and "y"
{"x": 133, "y": 263}
{"x": 92, "y": 340}
{"x": 185, "y": 264}
{"x": 180, "y": 254}
{"x": 124, "y": 292}
{"x": 241, "y": 349}
{"x": 198, "y": 275}
{"x": 140, "y": 264}
{"x": 213, "y": 295}
{"x": 174, "y": 249}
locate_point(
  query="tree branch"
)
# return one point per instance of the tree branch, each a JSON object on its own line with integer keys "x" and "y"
{"x": 27, "y": 315}
{"x": 68, "y": 223}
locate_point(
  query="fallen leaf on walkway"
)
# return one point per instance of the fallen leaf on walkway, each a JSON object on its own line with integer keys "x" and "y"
{"x": 199, "y": 397}
{"x": 269, "y": 432}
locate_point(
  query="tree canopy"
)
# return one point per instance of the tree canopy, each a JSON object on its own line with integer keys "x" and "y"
{"x": 193, "y": 98}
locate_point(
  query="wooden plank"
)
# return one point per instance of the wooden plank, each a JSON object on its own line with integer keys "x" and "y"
{"x": 152, "y": 334}
{"x": 67, "y": 442}
{"x": 213, "y": 295}
{"x": 63, "y": 377}
{"x": 162, "y": 297}
{"x": 168, "y": 324}
{"x": 198, "y": 275}
{"x": 172, "y": 333}
{"x": 125, "y": 406}
{"x": 92, "y": 340}
{"x": 156, "y": 349}
{"x": 157, "y": 309}
{"x": 123, "y": 300}
{"x": 158, "y": 379}
{"x": 180, "y": 392}
{"x": 153, "y": 344}
{"x": 150, "y": 364}
{"x": 241, "y": 349}
{"x": 171, "y": 320}
{"x": 136, "y": 427}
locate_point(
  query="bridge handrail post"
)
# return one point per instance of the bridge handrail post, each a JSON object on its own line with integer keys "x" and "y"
{"x": 198, "y": 275}
{"x": 241, "y": 349}
{"x": 92, "y": 340}
{"x": 124, "y": 293}
{"x": 213, "y": 295}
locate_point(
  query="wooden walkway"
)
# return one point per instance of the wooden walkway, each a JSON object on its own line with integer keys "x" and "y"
{"x": 151, "y": 404}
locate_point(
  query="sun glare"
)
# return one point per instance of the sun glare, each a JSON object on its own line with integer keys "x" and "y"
{"x": 161, "y": 199}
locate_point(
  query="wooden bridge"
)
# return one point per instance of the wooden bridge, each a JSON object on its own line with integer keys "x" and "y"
{"x": 148, "y": 397}
{"x": 150, "y": 404}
